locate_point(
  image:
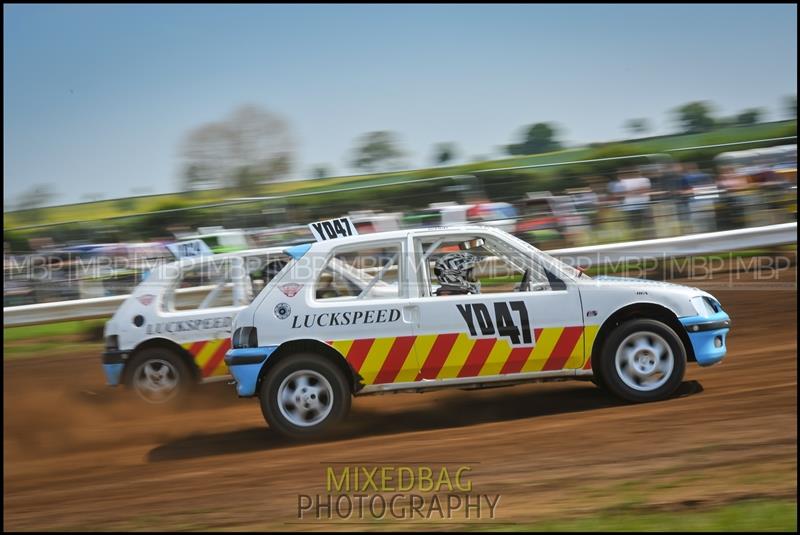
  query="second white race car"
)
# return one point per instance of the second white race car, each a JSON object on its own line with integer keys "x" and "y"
{"x": 173, "y": 331}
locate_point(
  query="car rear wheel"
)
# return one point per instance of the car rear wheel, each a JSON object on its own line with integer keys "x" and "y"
{"x": 643, "y": 360}
{"x": 159, "y": 376}
{"x": 304, "y": 396}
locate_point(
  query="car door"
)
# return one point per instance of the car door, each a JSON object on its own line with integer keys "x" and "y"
{"x": 357, "y": 305}
{"x": 499, "y": 331}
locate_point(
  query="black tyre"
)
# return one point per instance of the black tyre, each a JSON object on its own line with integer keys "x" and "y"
{"x": 642, "y": 360}
{"x": 597, "y": 379}
{"x": 159, "y": 376}
{"x": 304, "y": 396}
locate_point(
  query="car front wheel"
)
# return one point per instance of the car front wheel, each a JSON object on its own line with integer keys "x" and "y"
{"x": 643, "y": 360}
{"x": 304, "y": 396}
{"x": 159, "y": 376}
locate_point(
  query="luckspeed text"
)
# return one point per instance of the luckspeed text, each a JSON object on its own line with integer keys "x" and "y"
{"x": 397, "y": 493}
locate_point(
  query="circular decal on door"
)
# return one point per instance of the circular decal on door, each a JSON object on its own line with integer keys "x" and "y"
{"x": 282, "y": 311}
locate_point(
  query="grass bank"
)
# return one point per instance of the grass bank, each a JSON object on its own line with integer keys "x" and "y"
{"x": 767, "y": 515}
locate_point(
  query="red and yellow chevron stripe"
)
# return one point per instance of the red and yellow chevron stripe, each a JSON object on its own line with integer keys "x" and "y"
{"x": 209, "y": 355}
{"x": 443, "y": 356}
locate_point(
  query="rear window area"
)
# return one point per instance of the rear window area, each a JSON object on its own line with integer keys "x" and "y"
{"x": 261, "y": 269}
{"x": 371, "y": 272}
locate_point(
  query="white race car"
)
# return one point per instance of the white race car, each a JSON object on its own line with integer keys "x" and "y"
{"x": 174, "y": 329}
{"x": 311, "y": 339}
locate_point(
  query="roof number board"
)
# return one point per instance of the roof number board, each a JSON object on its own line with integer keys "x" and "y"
{"x": 331, "y": 229}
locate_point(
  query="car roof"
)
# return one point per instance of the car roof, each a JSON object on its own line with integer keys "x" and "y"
{"x": 398, "y": 234}
{"x": 219, "y": 256}
{"x": 372, "y": 236}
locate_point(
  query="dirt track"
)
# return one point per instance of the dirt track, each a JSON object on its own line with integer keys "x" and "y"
{"x": 79, "y": 456}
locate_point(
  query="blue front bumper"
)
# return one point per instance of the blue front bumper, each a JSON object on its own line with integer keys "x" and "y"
{"x": 113, "y": 373}
{"x": 114, "y": 366}
{"x": 708, "y": 335}
{"x": 245, "y": 365}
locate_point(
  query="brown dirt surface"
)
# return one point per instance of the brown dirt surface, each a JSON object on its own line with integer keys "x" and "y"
{"x": 80, "y": 456}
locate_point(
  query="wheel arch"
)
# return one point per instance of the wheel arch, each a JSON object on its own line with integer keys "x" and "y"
{"x": 310, "y": 345}
{"x": 164, "y": 343}
{"x": 643, "y": 310}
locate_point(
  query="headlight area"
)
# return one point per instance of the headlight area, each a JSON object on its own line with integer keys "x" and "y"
{"x": 244, "y": 337}
{"x": 708, "y": 330}
{"x": 112, "y": 342}
{"x": 705, "y": 306}
{"x": 245, "y": 359}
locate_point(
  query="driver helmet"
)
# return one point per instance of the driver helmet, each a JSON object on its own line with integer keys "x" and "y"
{"x": 456, "y": 273}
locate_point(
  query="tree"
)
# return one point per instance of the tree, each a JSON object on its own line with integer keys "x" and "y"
{"x": 35, "y": 197}
{"x": 695, "y": 117}
{"x": 377, "y": 150}
{"x": 444, "y": 153}
{"x": 320, "y": 171}
{"x": 196, "y": 176}
{"x": 538, "y": 138}
{"x": 251, "y": 146}
{"x": 31, "y": 200}
{"x": 749, "y": 117}
{"x": 790, "y": 106}
{"x": 637, "y": 126}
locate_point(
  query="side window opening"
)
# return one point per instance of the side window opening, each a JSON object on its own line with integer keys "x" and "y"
{"x": 367, "y": 272}
{"x": 200, "y": 286}
{"x": 476, "y": 264}
{"x": 212, "y": 242}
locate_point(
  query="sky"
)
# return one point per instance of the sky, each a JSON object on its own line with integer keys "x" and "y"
{"x": 98, "y": 98}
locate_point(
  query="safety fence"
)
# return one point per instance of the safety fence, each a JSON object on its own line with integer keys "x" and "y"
{"x": 588, "y": 256}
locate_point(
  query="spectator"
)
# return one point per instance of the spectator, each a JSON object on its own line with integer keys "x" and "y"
{"x": 693, "y": 177}
{"x": 698, "y": 191}
{"x": 690, "y": 178}
{"x": 669, "y": 178}
{"x": 729, "y": 179}
{"x": 615, "y": 190}
{"x": 636, "y": 201}
{"x": 733, "y": 202}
